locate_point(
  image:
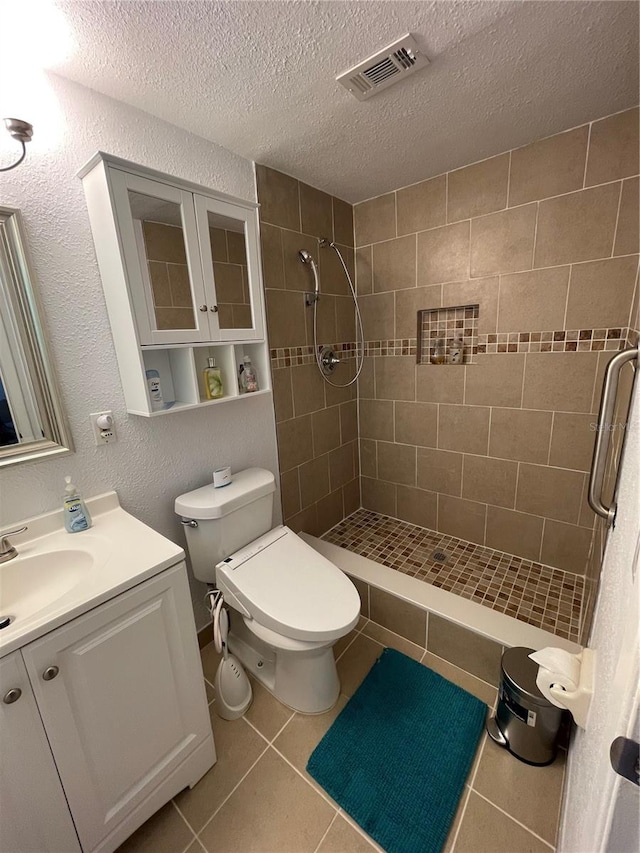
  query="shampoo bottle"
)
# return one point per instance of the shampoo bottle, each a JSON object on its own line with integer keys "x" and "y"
{"x": 76, "y": 514}
{"x": 212, "y": 380}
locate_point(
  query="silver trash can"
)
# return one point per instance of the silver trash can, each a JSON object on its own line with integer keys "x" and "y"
{"x": 525, "y": 722}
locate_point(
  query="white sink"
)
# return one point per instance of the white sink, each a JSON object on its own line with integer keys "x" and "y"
{"x": 32, "y": 583}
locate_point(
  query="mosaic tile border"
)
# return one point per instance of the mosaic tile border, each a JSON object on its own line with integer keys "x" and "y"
{"x": 531, "y": 592}
{"x": 578, "y": 340}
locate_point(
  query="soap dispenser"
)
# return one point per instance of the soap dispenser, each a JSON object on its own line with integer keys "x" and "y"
{"x": 76, "y": 514}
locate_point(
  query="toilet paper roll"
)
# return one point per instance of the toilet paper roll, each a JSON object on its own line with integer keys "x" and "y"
{"x": 557, "y": 668}
{"x": 221, "y": 477}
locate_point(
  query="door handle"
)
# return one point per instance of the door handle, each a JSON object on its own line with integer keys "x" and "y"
{"x": 603, "y": 434}
{"x": 624, "y": 755}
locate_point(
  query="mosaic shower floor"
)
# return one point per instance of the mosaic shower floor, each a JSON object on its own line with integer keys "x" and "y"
{"x": 531, "y": 592}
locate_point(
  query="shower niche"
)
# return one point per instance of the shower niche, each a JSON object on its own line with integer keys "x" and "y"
{"x": 448, "y": 335}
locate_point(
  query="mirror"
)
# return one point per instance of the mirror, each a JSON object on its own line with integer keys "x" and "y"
{"x": 230, "y": 271}
{"x": 32, "y": 425}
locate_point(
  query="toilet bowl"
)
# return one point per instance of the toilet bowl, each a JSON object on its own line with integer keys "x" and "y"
{"x": 289, "y": 604}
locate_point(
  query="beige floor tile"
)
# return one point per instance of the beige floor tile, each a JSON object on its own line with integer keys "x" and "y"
{"x": 483, "y": 691}
{"x": 485, "y": 829}
{"x": 304, "y": 732}
{"x": 356, "y": 662}
{"x": 266, "y": 713}
{"x": 529, "y": 794}
{"x": 165, "y": 832}
{"x": 344, "y": 642}
{"x": 210, "y": 660}
{"x": 273, "y": 811}
{"x": 343, "y": 838}
{"x": 393, "y": 641}
{"x": 238, "y": 746}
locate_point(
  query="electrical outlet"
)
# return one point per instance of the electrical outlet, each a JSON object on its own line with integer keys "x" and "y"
{"x": 104, "y": 428}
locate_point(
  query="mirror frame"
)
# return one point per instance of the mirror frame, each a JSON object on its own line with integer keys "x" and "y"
{"x": 17, "y": 274}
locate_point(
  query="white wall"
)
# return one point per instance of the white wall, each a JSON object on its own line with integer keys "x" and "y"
{"x": 154, "y": 459}
{"x": 593, "y": 791}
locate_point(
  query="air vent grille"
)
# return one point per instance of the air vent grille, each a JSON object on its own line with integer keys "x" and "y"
{"x": 385, "y": 68}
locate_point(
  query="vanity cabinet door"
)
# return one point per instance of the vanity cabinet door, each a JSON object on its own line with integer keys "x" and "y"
{"x": 159, "y": 242}
{"x": 229, "y": 247}
{"x": 121, "y": 695}
{"x": 34, "y": 812}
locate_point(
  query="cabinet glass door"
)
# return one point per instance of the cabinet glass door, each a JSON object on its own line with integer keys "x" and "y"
{"x": 160, "y": 244}
{"x": 231, "y": 267}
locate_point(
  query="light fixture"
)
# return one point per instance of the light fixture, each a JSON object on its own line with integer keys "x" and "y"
{"x": 22, "y": 131}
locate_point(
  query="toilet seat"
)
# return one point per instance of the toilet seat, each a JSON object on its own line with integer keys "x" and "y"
{"x": 287, "y": 587}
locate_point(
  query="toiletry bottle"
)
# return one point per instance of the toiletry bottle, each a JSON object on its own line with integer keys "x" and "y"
{"x": 249, "y": 376}
{"x": 76, "y": 514}
{"x": 155, "y": 391}
{"x": 241, "y": 378}
{"x": 439, "y": 352}
{"x": 456, "y": 351}
{"x": 212, "y": 380}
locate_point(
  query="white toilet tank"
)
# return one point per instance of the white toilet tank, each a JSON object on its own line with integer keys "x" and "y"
{"x": 227, "y": 518}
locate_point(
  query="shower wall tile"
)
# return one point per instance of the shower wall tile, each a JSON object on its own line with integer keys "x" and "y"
{"x": 364, "y": 270}
{"x": 462, "y": 518}
{"x": 613, "y": 148}
{"x": 378, "y": 496}
{"x": 534, "y": 300}
{"x": 561, "y": 382}
{"x": 395, "y": 378}
{"x": 375, "y": 220}
{"x": 627, "y": 237}
{"x": 439, "y": 471}
{"x": 376, "y": 419}
{"x": 482, "y": 292}
{"x": 464, "y": 428}
{"x": 514, "y": 532}
{"x": 378, "y": 316}
{"x": 342, "y": 222}
{"x": 496, "y": 381}
{"x": 522, "y": 435}
{"x": 422, "y": 206}
{"x": 503, "y": 242}
{"x": 549, "y": 167}
{"x": 490, "y": 481}
{"x": 416, "y": 423}
{"x": 394, "y": 264}
{"x": 417, "y": 506}
{"x": 478, "y": 189}
{"x": 397, "y": 463}
{"x": 317, "y": 425}
{"x": 572, "y": 440}
{"x": 443, "y": 254}
{"x": 316, "y": 211}
{"x": 279, "y": 198}
{"x": 550, "y": 492}
{"x": 577, "y": 227}
{"x": 566, "y": 546}
{"x": 409, "y": 302}
{"x": 443, "y": 384}
{"x": 603, "y": 289}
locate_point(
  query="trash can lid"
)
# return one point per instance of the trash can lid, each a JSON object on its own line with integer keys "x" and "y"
{"x": 521, "y": 672}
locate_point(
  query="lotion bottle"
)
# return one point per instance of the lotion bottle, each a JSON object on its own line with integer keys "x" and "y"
{"x": 76, "y": 514}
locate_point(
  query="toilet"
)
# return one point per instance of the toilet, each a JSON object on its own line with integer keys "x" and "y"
{"x": 289, "y": 604}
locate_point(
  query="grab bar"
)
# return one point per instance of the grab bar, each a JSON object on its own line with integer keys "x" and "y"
{"x": 603, "y": 434}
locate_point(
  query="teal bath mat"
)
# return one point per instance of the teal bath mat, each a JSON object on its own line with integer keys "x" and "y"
{"x": 397, "y": 757}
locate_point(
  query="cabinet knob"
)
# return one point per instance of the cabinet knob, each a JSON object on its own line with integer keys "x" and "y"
{"x": 203, "y": 308}
{"x": 214, "y": 308}
{"x": 50, "y": 673}
{"x": 12, "y": 696}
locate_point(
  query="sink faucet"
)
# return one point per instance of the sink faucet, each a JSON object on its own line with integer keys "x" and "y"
{"x": 7, "y": 551}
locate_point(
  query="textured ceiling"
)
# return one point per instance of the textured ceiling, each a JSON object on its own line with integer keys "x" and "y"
{"x": 258, "y": 78}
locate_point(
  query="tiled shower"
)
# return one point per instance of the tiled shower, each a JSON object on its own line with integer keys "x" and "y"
{"x": 496, "y": 453}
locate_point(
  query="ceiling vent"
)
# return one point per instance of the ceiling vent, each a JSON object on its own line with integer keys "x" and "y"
{"x": 383, "y": 69}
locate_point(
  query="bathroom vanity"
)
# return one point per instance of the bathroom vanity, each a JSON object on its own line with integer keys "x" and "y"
{"x": 104, "y": 715}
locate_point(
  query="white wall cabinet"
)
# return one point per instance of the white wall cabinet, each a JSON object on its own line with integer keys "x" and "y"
{"x": 180, "y": 268}
{"x": 121, "y": 696}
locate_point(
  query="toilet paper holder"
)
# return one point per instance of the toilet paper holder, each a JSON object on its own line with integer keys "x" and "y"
{"x": 575, "y": 700}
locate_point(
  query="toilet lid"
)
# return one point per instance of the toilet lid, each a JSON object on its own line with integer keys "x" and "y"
{"x": 290, "y": 588}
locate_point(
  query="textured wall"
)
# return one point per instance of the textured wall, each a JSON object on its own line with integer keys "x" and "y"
{"x": 317, "y": 424}
{"x": 615, "y": 639}
{"x": 545, "y": 239}
{"x": 154, "y": 459}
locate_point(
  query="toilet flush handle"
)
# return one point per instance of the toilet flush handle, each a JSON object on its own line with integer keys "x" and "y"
{"x": 189, "y": 522}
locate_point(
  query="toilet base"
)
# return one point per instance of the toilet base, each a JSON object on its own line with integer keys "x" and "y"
{"x": 305, "y": 681}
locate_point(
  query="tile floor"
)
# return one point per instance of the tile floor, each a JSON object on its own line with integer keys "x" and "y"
{"x": 258, "y": 796}
{"x": 531, "y": 592}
